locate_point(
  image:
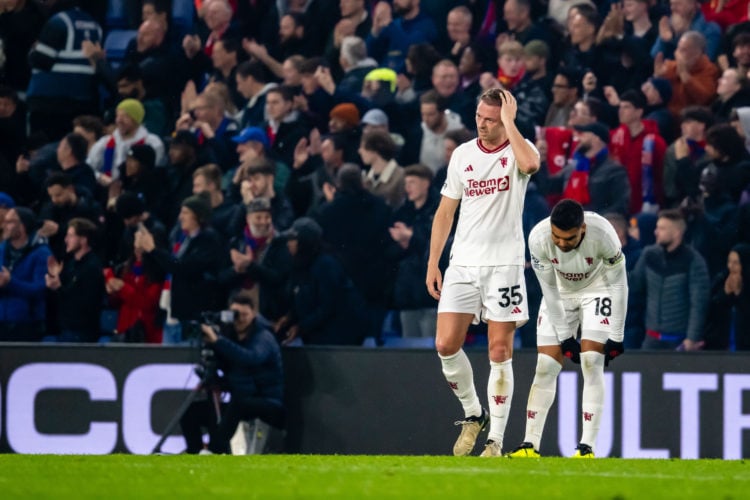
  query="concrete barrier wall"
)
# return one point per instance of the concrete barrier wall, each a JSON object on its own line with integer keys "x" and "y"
{"x": 105, "y": 399}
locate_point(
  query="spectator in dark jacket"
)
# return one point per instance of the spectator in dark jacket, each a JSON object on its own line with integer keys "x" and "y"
{"x": 728, "y": 320}
{"x": 79, "y": 284}
{"x": 673, "y": 280}
{"x": 184, "y": 158}
{"x": 325, "y": 306}
{"x": 65, "y": 204}
{"x": 191, "y": 266}
{"x": 22, "y": 286}
{"x": 390, "y": 38}
{"x": 532, "y": 91}
{"x": 212, "y": 128}
{"x": 71, "y": 155}
{"x": 658, "y": 92}
{"x": 711, "y": 221}
{"x": 226, "y": 217}
{"x": 411, "y": 229}
{"x": 284, "y": 125}
{"x": 260, "y": 261}
{"x": 356, "y": 224}
{"x": 260, "y": 174}
{"x": 631, "y": 249}
{"x": 253, "y": 82}
{"x": 139, "y": 176}
{"x": 732, "y": 160}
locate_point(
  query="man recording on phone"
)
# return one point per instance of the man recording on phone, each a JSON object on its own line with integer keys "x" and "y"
{"x": 249, "y": 360}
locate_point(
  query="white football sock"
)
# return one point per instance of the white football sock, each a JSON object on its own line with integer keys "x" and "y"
{"x": 499, "y": 395}
{"x": 460, "y": 377}
{"x": 592, "y": 367}
{"x": 541, "y": 397}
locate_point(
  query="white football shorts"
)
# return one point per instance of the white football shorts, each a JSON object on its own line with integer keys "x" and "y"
{"x": 592, "y": 311}
{"x": 490, "y": 293}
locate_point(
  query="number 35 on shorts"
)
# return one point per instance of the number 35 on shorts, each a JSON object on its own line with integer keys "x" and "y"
{"x": 510, "y": 296}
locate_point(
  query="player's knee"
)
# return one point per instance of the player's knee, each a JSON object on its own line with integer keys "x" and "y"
{"x": 447, "y": 347}
{"x": 500, "y": 352}
{"x": 547, "y": 367}
{"x": 592, "y": 363}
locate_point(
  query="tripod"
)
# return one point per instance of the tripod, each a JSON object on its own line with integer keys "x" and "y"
{"x": 202, "y": 386}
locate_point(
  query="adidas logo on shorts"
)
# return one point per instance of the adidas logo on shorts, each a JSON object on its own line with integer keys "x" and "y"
{"x": 516, "y": 310}
{"x": 605, "y": 321}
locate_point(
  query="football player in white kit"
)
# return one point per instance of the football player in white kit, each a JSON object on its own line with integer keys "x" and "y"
{"x": 484, "y": 280}
{"x": 579, "y": 262}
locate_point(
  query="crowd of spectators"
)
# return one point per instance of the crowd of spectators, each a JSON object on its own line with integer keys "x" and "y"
{"x": 296, "y": 149}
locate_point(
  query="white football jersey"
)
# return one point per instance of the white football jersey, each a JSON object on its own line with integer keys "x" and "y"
{"x": 491, "y": 189}
{"x": 582, "y": 267}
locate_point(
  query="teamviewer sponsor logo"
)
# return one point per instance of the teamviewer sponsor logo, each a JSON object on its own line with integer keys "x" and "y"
{"x": 475, "y": 188}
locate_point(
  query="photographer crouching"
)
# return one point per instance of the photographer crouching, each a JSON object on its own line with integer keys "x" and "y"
{"x": 248, "y": 357}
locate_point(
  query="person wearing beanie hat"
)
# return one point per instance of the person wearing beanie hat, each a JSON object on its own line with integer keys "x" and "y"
{"x": 200, "y": 206}
{"x": 133, "y": 108}
{"x": 343, "y": 117}
{"x": 375, "y": 117}
{"x": 658, "y": 92}
{"x": 129, "y": 205}
{"x": 662, "y": 87}
{"x": 24, "y": 264}
{"x": 110, "y": 151}
{"x": 6, "y": 203}
{"x": 537, "y": 48}
{"x": 258, "y": 205}
{"x": 27, "y": 219}
{"x": 385, "y": 76}
{"x": 143, "y": 154}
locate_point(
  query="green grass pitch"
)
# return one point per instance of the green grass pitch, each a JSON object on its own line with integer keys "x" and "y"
{"x": 340, "y": 476}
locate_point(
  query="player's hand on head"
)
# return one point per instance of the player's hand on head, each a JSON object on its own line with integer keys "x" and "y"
{"x": 509, "y": 109}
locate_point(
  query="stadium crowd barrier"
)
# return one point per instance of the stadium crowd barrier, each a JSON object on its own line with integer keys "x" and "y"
{"x": 119, "y": 399}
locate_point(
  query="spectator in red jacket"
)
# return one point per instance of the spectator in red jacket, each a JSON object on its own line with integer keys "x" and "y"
{"x": 636, "y": 144}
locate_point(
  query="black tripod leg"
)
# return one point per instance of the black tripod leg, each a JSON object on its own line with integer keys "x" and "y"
{"x": 176, "y": 419}
{"x": 216, "y": 398}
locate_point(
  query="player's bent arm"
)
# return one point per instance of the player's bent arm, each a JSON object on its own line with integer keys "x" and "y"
{"x": 527, "y": 157}
{"x": 616, "y": 276}
{"x": 555, "y": 309}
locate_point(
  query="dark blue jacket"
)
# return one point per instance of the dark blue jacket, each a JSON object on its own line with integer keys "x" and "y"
{"x": 60, "y": 68}
{"x": 325, "y": 304}
{"x": 22, "y": 299}
{"x": 252, "y": 367}
{"x": 391, "y": 45}
{"x": 409, "y": 291}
